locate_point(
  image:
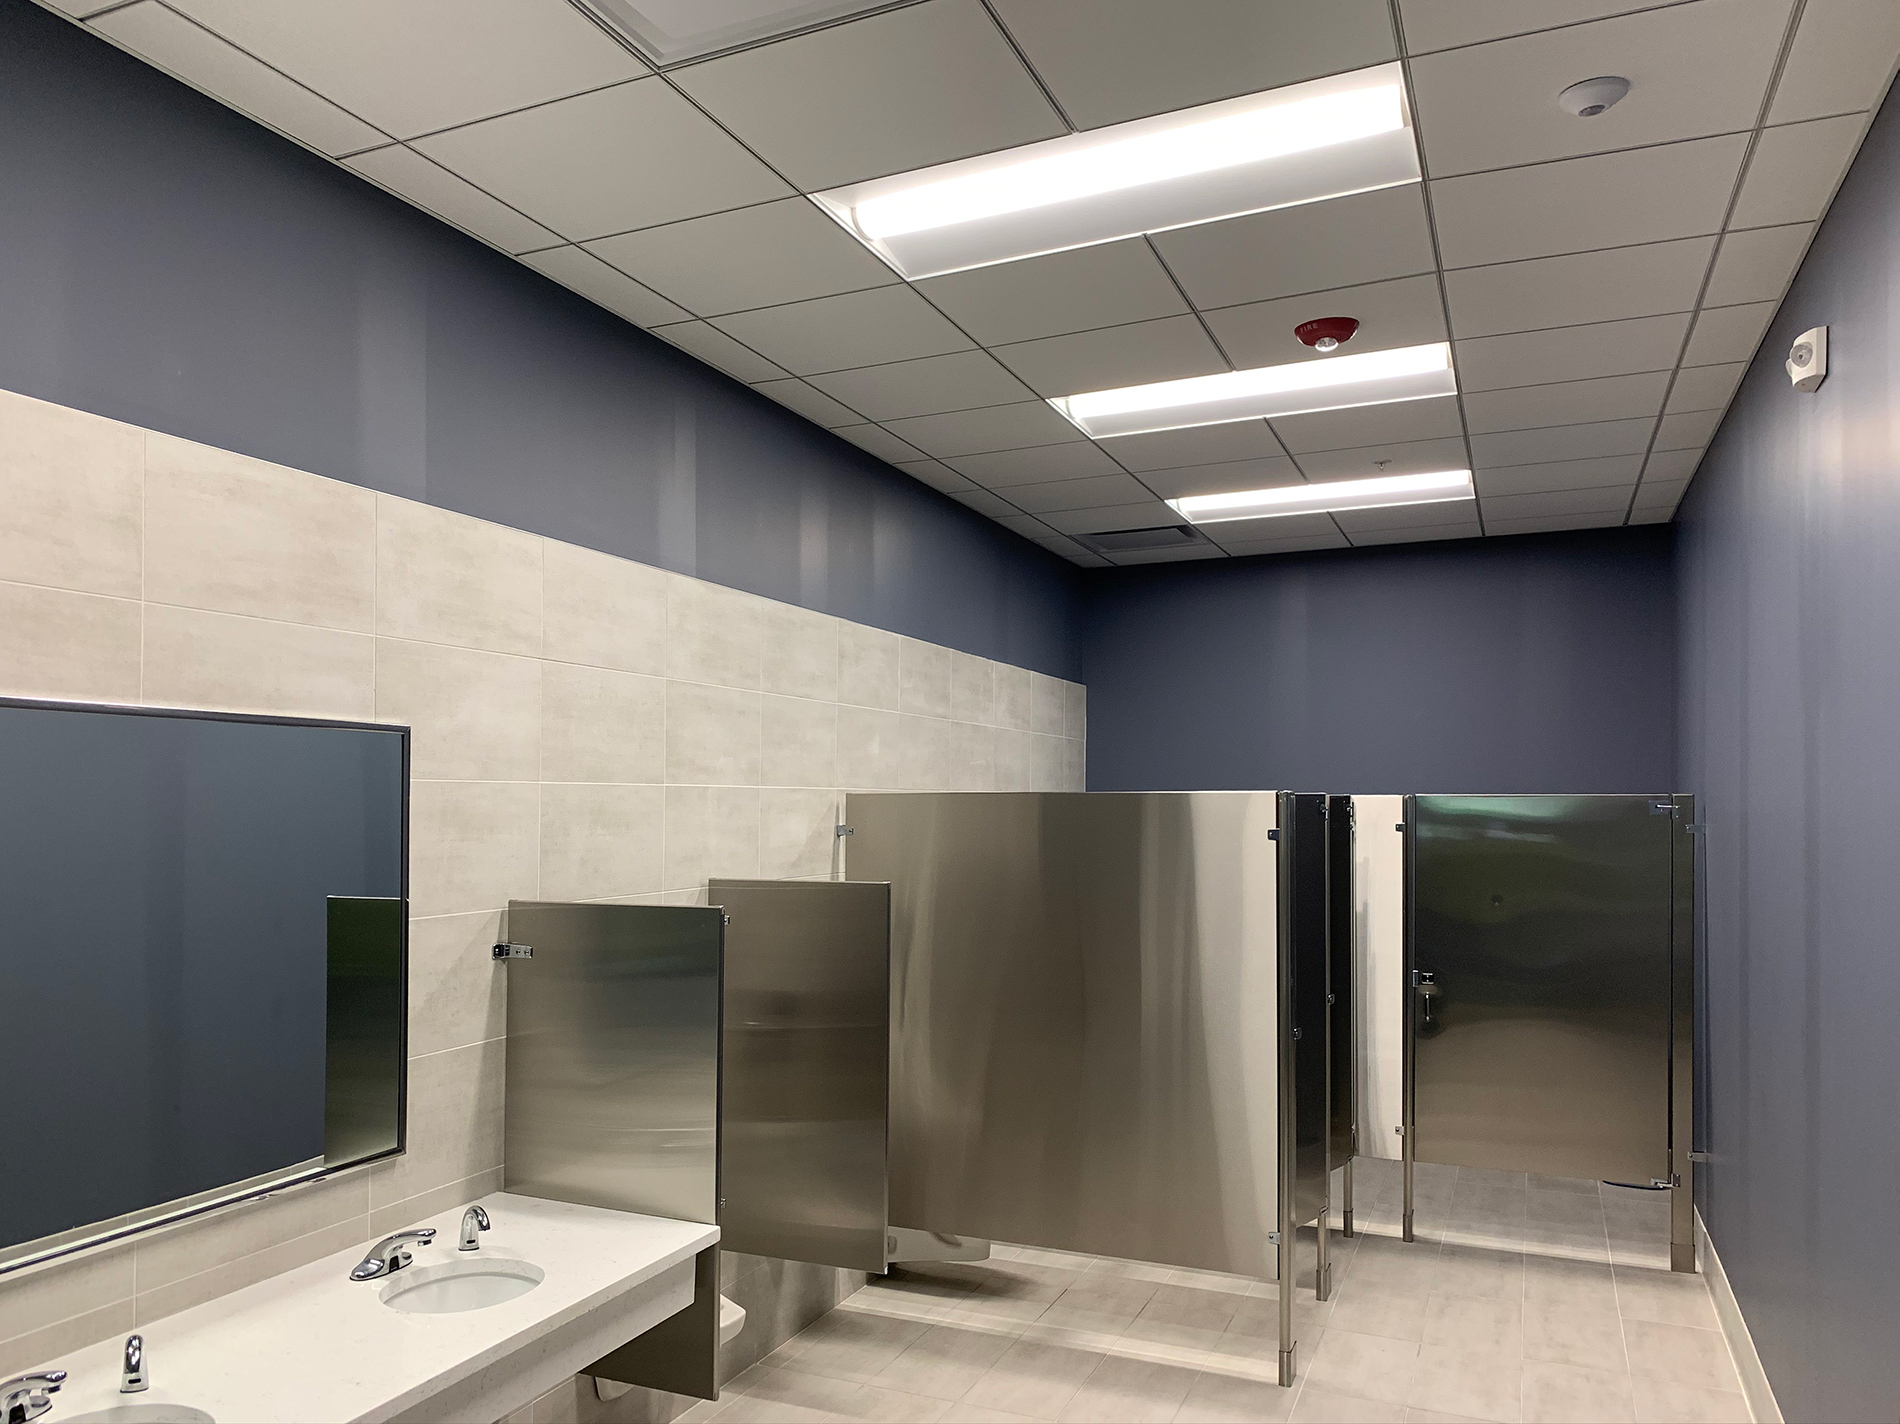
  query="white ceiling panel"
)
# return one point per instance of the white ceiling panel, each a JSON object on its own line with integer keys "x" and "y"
{"x": 1434, "y": 419}
{"x": 1408, "y": 312}
{"x": 1073, "y": 552}
{"x": 1224, "y": 478}
{"x": 1587, "y": 287}
{"x": 936, "y": 474}
{"x": 1649, "y": 516}
{"x": 613, "y": 290}
{"x": 432, "y": 187}
{"x": 1671, "y": 465}
{"x": 1440, "y": 24}
{"x": 1690, "y": 430}
{"x": 570, "y": 165}
{"x": 1368, "y": 237}
{"x": 1053, "y": 495}
{"x": 844, "y": 332}
{"x": 1552, "y": 523}
{"x": 1727, "y": 334}
{"x": 906, "y": 89}
{"x": 1248, "y": 548}
{"x": 1270, "y": 530}
{"x": 201, "y": 59}
{"x": 1108, "y": 285}
{"x": 1002, "y": 468}
{"x": 1458, "y": 512}
{"x": 713, "y": 346}
{"x": 1431, "y": 533}
{"x": 1571, "y": 353}
{"x": 719, "y": 263}
{"x": 1794, "y": 170}
{"x": 1145, "y": 514}
{"x": 880, "y": 442}
{"x": 814, "y": 405}
{"x": 1407, "y": 457}
{"x": 1561, "y": 442}
{"x": 977, "y": 432}
{"x": 1111, "y": 60}
{"x": 1566, "y": 402}
{"x": 1705, "y": 387}
{"x": 1614, "y": 470}
{"x": 1654, "y": 495}
{"x": 1169, "y": 349}
{"x": 1757, "y": 265}
{"x": 1199, "y": 445}
{"x": 1841, "y": 61}
{"x": 1026, "y": 525}
{"x": 419, "y": 65}
{"x": 1729, "y": 45}
{"x": 962, "y": 380}
{"x": 1600, "y": 499}
{"x": 983, "y": 502}
{"x": 1186, "y": 554}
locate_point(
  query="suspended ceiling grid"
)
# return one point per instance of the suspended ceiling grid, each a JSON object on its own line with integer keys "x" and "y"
{"x": 1603, "y": 281}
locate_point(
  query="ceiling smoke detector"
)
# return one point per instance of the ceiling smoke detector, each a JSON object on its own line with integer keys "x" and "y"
{"x": 1328, "y": 332}
{"x": 1589, "y": 97}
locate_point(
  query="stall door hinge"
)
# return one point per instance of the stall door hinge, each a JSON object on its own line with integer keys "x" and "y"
{"x": 1273, "y": 835}
{"x": 1672, "y": 1180}
{"x": 514, "y": 951}
{"x": 845, "y": 830}
{"x": 1662, "y": 808}
{"x": 1701, "y": 1156}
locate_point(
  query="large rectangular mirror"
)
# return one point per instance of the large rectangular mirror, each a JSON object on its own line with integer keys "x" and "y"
{"x": 204, "y": 961}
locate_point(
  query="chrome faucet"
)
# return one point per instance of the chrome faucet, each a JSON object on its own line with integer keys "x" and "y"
{"x": 134, "y": 1378}
{"x": 25, "y": 1397}
{"x": 474, "y": 1223}
{"x": 390, "y": 1254}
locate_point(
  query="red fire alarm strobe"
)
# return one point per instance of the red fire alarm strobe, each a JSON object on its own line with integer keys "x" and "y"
{"x": 1327, "y": 332}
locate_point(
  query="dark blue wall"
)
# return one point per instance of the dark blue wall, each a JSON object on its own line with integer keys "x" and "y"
{"x": 1790, "y": 599}
{"x": 1535, "y": 663}
{"x": 165, "y": 262}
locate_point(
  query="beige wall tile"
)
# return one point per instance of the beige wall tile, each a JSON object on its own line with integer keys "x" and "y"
{"x": 1075, "y": 710}
{"x": 224, "y": 662}
{"x": 222, "y": 1276}
{"x": 192, "y": 1247}
{"x": 454, "y": 1123}
{"x": 797, "y": 831}
{"x": 800, "y": 740}
{"x": 1074, "y": 764}
{"x": 473, "y": 845}
{"x": 924, "y": 677}
{"x": 410, "y": 1210}
{"x": 869, "y": 667}
{"x": 927, "y": 754}
{"x": 68, "y": 645}
{"x": 1015, "y": 767}
{"x": 712, "y": 735}
{"x": 1045, "y": 704}
{"x": 447, "y": 578}
{"x": 602, "y": 725}
{"x": 711, "y": 830}
{"x": 972, "y": 688}
{"x": 69, "y": 498}
{"x": 870, "y": 749}
{"x": 713, "y": 634}
{"x": 603, "y": 611}
{"x": 239, "y": 535}
{"x": 58, "y": 1290}
{"x": 49, "y": 1344}
{"x": 799, "y": 652}
{"x": 598, "y": 841}
{"x": 974, "y": 757}
{"x": 476, "y": 715}
{"x": 1014, "y": 699}
{"x": 1045, "y": 762}
{"x": 458, "y": 994}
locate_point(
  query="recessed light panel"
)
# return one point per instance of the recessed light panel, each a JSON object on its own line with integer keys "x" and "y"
{"x": 1299, "y": 144}
{"x": 1374, "y": 378}
{"x": 1327, "y": 496}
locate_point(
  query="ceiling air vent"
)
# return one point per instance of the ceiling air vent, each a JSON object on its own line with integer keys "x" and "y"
{"x": 1129, "y": 541}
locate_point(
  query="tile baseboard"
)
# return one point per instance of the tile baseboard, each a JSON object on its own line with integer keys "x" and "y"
{"x": 1755, "y": 1387}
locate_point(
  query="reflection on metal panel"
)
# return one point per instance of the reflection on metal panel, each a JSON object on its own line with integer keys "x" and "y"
{"x": 364, "y": 1037}
{"x": 1542, "y": 1031}
{"x": 1303, "y": 852}
{"x": 1379, "y": 969}
{"x": 807, "y": 1067}
{"x": 1341, "y": 990}
{"x": 1084, "y": 1007}
{"x": 613, "y": 1057}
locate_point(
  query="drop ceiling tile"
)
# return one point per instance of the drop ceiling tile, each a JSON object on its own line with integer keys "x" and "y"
{"x": 1611, "y": 200}
{"x": 1570, "y": 353}
{"x": 1110, "y": 284}
{"x": 761, "y": 256}
{"x": 983, "y": 502}
{"x": 1224, "y": 478}
{"x": 605, "y": 287}
{"x": 1552, "y": 523}
{"x": 1561, "y": 442}
{"x": 1794, "y": 170}
{"x": 1462, "y": 512}
{"x": 1026, "y": 525}
{"x": 1440, "y": 24}
{"x": 1271, "y": 529}
{"x": 1253, "y": 548}
{"x": 1187, "y": 553}
{"x": 714, "y": 347}
{"x": 1107, "y": 61}
{"x": 814, "y": 405}
{"x": 1407, "y": 312}
{"x": 844, "y": 332}
{"x": 1670, "y": 465}
{"x": 1649, "y": 516}
{"x": 434, "y": 189}
{"x": 1145, "y": 514}
{"x": 225, "y": 72}
{"x": 1197, "y": 445}
{"x": 1428, "y": 534}
{"x": 1409, "y": 457}
{"x": 79, "y": 9}
{"x": 876, "y": 440}
{"x": 1601, "y": 499}
{"x": 1072, "y": 551}
{"x": 1566, "y": 402}
{"x": 424, "y": 65}
{"x": 1002, "y": 468}
{"x": 1726, "y": 334}
{"x": 1619, "y": 470}
{"x": 1691, "y": 430}
{"x": 1730, "y": 47}
{"x": 1842, "y": 57}
{"x": 936, "y": 474}
{"x": 976, "y": 432}
{"x": 1756, "y": 265}
{"x": 1658, "y": 494}
{"x": 1135, "y": 355}
{"x": 569, "y": 165}
{"x": 931, "y": 385}
{"x": 1705, "y": 387}
{"x": 1345, "y": 242}
{"x": 1054, "y": 495}
{"x": 906, "y": 89}
{"x": 1587, "y": 287}
{"x": 1433, "y": 419}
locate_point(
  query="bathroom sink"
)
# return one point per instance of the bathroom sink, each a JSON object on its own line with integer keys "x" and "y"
{"x": 472, "y": 1284}
{"x": 153, "y": 1413}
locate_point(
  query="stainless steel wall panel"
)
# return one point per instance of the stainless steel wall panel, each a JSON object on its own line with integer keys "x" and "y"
{"x": 1306, "y": 952}
{"x": 1342, "y": 995}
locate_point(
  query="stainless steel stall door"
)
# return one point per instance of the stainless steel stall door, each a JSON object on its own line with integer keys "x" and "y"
{"x": 1541, "y": 960}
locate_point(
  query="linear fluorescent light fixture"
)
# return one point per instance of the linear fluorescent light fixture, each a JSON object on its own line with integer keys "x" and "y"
{"x": 1299, "y": 144}
{"x": 1323, "y": 383}
{"x": 1326, "y": 497}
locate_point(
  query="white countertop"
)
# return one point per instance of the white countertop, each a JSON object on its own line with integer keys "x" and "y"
{"x": 312, "y": 1345}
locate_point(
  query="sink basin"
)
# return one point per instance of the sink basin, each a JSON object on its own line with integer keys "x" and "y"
{"x": 153, "y": 1413}
{"x": 451, "y": 1286}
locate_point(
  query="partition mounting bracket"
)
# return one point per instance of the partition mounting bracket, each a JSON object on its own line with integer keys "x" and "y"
{"x": 514, "y": 951}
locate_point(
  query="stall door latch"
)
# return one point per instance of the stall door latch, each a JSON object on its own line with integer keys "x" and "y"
{"x": 514, "y": 951}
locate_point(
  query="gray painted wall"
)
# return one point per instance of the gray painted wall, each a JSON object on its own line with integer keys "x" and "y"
{"x": 1790, "y": 601}
{"x": 166, "y": 262}
{"x": 1535, "y": 663}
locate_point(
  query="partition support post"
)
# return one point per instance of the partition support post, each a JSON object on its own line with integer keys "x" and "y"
{"x": 1322, "y": 1259}
{"x": 1288, "y": 1098}
{"x": 1682, "y": 1056}
{"x": 1409, "y": 1089}
{"x": 1345, "y": 1212}
{"x": 1287, "y": 1344}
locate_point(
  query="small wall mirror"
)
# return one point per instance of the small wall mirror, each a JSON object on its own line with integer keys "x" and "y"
{"x": 203, "y": 959}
